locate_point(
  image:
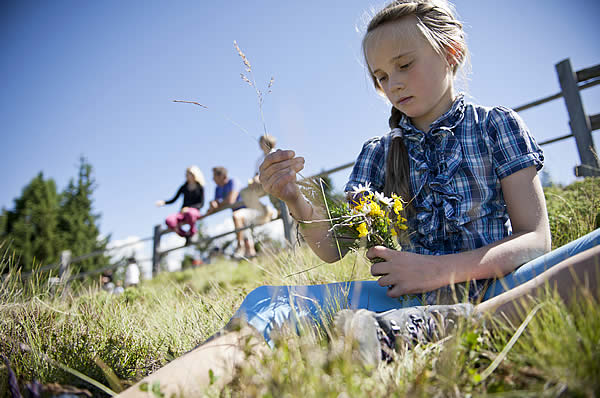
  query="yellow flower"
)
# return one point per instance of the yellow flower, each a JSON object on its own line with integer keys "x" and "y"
{"x": 398, "y": 206}
{"x": 393, "y": 232}
{"x": 375, "y": 209}
{"x": 362, "y": 230}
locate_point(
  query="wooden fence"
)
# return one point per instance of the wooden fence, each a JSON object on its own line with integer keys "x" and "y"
{"x": 580, "y": 122}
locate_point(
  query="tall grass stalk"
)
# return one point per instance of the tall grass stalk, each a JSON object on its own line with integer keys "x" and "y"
{"x": 252, "y": 83}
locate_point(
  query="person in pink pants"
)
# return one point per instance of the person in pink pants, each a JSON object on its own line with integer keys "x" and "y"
{"x": 193, "y": 200}
{"x": 187, "y": 216}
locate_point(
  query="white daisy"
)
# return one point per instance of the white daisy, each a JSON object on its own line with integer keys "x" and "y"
{"x": 361, "y": 189}
{"x": 381, "y": 198}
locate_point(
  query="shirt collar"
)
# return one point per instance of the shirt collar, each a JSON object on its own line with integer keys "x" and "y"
{"x": 447, "y": 121}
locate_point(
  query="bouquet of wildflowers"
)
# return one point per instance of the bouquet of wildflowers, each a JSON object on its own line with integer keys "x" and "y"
{"x": 368, "y": 219}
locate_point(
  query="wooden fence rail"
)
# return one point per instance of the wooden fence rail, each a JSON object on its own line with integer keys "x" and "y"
{"x": 581, "y": 127}
{"x": 580, "y": 122}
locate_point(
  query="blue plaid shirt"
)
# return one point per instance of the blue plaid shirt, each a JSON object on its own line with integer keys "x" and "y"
{"x": 455, "y": 173}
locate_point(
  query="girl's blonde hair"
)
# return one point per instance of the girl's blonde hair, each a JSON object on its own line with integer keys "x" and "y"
{"x": 438, "y": 25}
{"x": 197, "y": 174}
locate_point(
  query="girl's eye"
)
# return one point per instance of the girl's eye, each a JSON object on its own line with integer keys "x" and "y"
{"x": 405, "y": 66}
{"x": 381, "y": 78}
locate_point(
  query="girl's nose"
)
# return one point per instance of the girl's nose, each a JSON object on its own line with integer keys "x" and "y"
{"x": 396, "y": 84}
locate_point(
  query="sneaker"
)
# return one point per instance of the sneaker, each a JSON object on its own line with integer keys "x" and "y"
{"x": 357, "y": 330}
{"x": 238, "y": 254}
{"x": 377, "y": 335}
{"x": 413, "y": 325}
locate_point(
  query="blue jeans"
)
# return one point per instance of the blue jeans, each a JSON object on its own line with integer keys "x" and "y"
{"x": 269, "y": 307}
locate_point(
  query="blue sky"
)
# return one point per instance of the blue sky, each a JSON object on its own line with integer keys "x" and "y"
{"x": 97, "y": 78}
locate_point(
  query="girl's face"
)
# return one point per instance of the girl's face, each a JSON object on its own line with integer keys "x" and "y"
{"x": 413, "y": 77}
{"x": 189, "y": 177}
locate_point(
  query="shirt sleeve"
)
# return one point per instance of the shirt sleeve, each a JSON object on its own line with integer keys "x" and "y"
{"x": 231, "y": 185}
{"x": 369, "y": 166}
{"x": 235, "y": 186}
{"x": 513, "y": 146}
{"x": 168, "y": 202}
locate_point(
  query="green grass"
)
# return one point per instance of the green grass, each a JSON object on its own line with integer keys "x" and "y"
{"x": 574, "y": 210}
{"x": 141, "y": 330}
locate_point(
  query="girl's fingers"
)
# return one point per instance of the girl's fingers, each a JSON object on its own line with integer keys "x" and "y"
{"x": 379, "y": 269}
{"x": 282, "y": 184}
{"x": 280, "y": 178}
{"x": 378, "y": 251}
{"x": 295, "y": 165}
{"x": 277, "y": 174}
{"x": 278, "y": 170}
{"x": 275, "y": 157}
{"x": 385, "y": 280}
{"x": 395, "y": 291}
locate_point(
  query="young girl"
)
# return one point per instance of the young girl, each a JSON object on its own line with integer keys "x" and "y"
{"x": 476, "y": 209}
{"x": 469, "y": 173}
{"x": 193, "y": 200}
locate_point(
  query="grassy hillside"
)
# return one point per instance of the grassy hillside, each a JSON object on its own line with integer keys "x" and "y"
{"x": 46, "y": 335}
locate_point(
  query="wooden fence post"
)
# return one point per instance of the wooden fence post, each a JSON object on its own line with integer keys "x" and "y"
{"x": 155, "y": 248}
{"x": 578, "y": 120}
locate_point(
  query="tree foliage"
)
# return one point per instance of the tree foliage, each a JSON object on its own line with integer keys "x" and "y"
{"x": 77, "y": 223}
{"x": 30, "y": 229}
{"x": 44, "y": 222}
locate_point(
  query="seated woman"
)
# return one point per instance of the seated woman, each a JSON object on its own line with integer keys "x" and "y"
{"x": 193, "y": 200}
{"x": 477, "y": 219}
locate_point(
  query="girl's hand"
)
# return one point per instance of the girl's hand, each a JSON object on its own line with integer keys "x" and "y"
{"x": 404, "y": 272}
{"x": 160, "y": 203}
{"x": 278, "y": 175}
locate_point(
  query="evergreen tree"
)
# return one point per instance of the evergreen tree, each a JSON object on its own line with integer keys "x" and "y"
{"x": 77, "y": 223}
{"x": 44, "y": 223}
{"x": 30, "y": 229}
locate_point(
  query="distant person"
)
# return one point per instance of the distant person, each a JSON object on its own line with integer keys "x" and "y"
{"x": 227, "y": 193}
{"x": 193, "y": 200}
{"x": 107, "y": 281}
{"x": 252, "y": 193}
{"x": 132, "y": 273}
{"x": 118, "y": 288}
